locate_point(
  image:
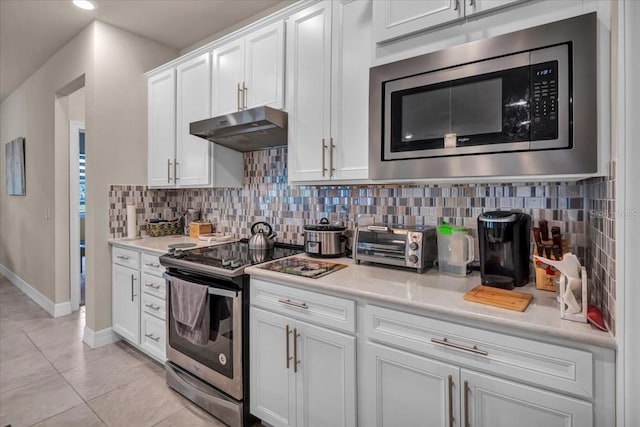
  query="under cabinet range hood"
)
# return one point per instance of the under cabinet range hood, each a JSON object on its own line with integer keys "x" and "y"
{"x": 248, "y": 130}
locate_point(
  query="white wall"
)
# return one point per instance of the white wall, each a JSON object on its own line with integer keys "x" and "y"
{"x": 34, "y": 242}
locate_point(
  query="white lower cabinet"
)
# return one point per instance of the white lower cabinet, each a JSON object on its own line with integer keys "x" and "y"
{"x": 404, "y": 389}
{"x": 126, "y": 302}
{"x": 489, "y": 401}
{"x": 138, "y": 300}
{"x": 301, "y": 374}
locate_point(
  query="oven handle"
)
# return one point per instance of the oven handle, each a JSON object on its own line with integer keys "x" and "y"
{"x": 212, "y": 290}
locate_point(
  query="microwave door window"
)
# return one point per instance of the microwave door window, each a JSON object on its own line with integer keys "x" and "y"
{"x": 422, "y": 119}
{"x": 476, "y": 108}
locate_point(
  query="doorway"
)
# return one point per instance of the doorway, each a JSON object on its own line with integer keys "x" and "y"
{"x": 77, "y": 213}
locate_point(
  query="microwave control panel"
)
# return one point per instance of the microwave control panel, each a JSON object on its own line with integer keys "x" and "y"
{"x": 544, "y": 101}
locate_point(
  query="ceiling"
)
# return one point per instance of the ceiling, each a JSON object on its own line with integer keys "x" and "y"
{"x": 31, "y": 31}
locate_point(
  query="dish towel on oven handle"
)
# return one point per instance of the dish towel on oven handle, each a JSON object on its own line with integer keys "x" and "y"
{"x": 190, "y": 310}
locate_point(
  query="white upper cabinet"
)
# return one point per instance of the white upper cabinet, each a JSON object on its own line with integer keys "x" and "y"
{"x": 249, "y": 72}
{"x": 162, "y": 132}
{"x": 398, "y": 18}
{"x": 329, "y": 53}
{"x": 176, "y": 158}
{"x": 193, "y": 154}
{"x": 393, "y": 19}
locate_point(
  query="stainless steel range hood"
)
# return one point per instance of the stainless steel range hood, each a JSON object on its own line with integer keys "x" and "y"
{"x": 249, "y": 130}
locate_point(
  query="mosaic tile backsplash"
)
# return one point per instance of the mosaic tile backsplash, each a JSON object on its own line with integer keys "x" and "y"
{"x": 266, "y": 196}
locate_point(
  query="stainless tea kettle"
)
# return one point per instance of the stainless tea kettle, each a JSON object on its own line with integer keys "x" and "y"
{"x": 262, "y": 236}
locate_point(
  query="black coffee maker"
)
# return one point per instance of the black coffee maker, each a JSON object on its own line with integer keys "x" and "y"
{"x": 504, "y": 240}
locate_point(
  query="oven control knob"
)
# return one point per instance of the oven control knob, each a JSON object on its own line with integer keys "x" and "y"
{"x": 413, "y": 246}
{"x": 413, "y": 259}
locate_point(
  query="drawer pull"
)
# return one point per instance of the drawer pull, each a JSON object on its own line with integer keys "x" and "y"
{"x": 150, "y": 264}
{"x": 151, "y": 285}
{"x": 124, "y": 257}
{"x": 151, "y": 337}
{"x": 293, "y": 303}
{"x": 153, "y": 307}
{"x": 473, "y": 349}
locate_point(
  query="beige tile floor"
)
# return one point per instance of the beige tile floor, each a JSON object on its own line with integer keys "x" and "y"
{"x": 49, "y": 377}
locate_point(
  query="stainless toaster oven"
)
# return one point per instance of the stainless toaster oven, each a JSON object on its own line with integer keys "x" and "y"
{"x": 412, "y": 247}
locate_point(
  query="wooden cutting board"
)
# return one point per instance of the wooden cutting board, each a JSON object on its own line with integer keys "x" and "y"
{"x": 503, "y": 298}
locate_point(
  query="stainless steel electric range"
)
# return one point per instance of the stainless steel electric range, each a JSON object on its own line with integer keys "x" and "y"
{"x": 215, "y": 376}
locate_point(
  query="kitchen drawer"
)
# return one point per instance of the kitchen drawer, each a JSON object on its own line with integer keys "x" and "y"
{"x": 333, "y": 312}
{"x": 125, "y": 257}
{"x": 151, "y": 265}
{"x": 154, "y": 285}
{"x": 562, "y": 368}
{"x": 154, "y": 335}
{"x": 153, "y": 305}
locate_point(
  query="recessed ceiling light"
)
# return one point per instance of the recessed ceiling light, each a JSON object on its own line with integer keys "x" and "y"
{"x": 84, "y": 4}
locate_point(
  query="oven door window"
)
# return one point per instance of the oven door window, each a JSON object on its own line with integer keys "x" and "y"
{"x": 490, "y": 109}
{"x": 381, "y": 244}
{"x": 217, "y": 354}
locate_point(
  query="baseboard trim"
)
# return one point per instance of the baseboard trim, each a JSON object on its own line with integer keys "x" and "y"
{"x": 55, "y": 310}
{"x": 102, "y": 337}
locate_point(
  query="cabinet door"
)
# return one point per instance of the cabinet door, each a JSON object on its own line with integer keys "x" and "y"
{"x": 264, "y": 67}
{"x": 227, "y": 78}
{"x": 403, "y": 389}
{"x": 272, "y": 383}
{"x": 308, "y": 92}
{"x": 473, "y": 7}
{"x": 161, "y": 128}
{"x": 352, "y": 57}
{"x": 126, "y": 302}
{"x": 326, "y": 377}
{"x": 397, "y": 18}
{"x": 193, "y": 154}
{"x": 494, "y": 402}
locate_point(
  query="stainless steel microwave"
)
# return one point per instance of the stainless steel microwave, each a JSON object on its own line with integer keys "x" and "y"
{"x": 518, "y": 104}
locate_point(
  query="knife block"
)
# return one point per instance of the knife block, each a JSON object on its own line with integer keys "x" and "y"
{"x": 546, "y": 278}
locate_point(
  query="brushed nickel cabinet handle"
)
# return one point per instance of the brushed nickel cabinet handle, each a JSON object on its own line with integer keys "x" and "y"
{"x": 244, "y": 96}
{"x": 124, "y": 257}
{"x": 471, "y": 2}
{"x": 294, "y": 303}
{"x": 168, "y": 171}
{"x": 466, "y": 404}
{"x": 331, "y": 148}
{"x": 324, "y": 147}
{"x": 287, "y": 331}
{"x": 153, "y": 307}
{"x": 132, "y": 279}
{"x": 451, "y": 417}
{"x": 151, "y": 337}
{"x": 456, "y": 5}
{"x": 151, "y": 285}
{"x": 238, "y": 97}
{"x": 295, "y": 350}
{"x": 447, "y": 343}
{"x": 175, "y": 171}
{"x": 150, "y": 264}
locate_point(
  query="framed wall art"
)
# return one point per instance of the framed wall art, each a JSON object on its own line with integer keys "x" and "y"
{"x": 14, "y": 157}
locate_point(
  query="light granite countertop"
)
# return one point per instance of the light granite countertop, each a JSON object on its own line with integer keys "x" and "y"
{"x": 160, "y": 245}
{"x": 439, "y": 295}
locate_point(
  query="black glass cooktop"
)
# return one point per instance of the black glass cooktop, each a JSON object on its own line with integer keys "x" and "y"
{"x": 227, "y": 258}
